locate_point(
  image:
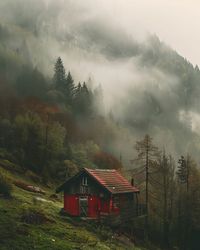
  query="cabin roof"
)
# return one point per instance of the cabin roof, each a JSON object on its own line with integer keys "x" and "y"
{"x": 110, "y": 179}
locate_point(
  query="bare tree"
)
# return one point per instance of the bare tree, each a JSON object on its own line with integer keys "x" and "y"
{"x": 147, "y": 153}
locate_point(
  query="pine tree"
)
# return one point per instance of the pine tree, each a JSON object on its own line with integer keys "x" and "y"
{"x": 77, "y": 97}
{"x": 59, "y": 77}
{"x": 69, "y": 88}
{"x": 78, "y": 88}
{"x": 82, "y": 100}
{"x": 183, "y": 170}
{"x": 85, "y": 88}
{"x": 86, "y": 99}
{"x": 184, "y": 201}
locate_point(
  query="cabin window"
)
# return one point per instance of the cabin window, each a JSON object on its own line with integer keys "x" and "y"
{"x": 84, "y": 181}
{"x": 84, "y": 189}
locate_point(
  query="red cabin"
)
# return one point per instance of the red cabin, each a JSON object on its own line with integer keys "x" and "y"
{"x": 93, "y": 192}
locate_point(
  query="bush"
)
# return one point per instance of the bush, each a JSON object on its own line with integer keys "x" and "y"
{"x": 35, "y": 217}
{"x": 5, "y": 186}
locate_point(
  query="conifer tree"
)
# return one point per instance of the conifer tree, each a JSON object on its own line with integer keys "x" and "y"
{"x": 85, "y": 90}
{"x": 69, "y": 88}
{"x": 86, "y": 99}
{"x": 59, "y": 77}
{"x": 78, "y": 88}
{"x": 186, "y": 165}
{"x": 77, "y": 97}
{"x": 82, "y": 100}
{"x": 183, "y": 171}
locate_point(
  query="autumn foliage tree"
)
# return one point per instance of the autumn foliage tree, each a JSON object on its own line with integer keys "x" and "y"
{"x": 107, "y": 161}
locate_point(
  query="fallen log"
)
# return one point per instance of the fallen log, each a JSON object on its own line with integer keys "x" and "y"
{"x": 29, "y": 187}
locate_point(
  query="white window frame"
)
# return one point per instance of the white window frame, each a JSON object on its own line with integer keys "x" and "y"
{"x": 84, "y": 181}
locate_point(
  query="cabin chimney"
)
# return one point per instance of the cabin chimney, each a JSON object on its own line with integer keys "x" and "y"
{"x": 132, "y": 182}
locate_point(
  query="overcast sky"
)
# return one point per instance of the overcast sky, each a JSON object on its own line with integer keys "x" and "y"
{"x": 176, "y": 22}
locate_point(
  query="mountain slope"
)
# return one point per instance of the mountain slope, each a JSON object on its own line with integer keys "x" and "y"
{"x": 31, "y": 221}
{"x": 149, "y": 87}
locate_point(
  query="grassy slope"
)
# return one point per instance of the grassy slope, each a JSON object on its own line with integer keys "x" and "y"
{"x": 60, "y": 233}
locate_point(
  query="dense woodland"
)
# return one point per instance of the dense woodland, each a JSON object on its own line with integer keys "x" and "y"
{"x": 52, "y": 126}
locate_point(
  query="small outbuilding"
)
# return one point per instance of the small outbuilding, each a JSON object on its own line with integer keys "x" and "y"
{"x": 95, "y": 192}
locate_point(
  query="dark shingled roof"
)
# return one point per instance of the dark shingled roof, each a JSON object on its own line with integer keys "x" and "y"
{"x": 110, "y": 179}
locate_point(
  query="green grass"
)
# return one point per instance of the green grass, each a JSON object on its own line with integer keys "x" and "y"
{"x": 58, "y": 233}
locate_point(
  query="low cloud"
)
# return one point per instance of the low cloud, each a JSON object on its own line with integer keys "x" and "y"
{"x": 141, "y": 77}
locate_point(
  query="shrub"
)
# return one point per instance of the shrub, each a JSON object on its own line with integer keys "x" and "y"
{"x": 5, "y": 186}
{"x": 35, "y": 217}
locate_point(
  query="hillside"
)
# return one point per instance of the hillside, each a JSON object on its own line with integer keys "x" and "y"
{"x": 32, "y": 221}
{"x": 147, "y": 87}
{"x": 80, "y": 89}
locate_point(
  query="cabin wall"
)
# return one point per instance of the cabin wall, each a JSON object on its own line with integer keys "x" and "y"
{"x": 120, "y": 202}
{"x": 106, "y": 205}
{"x": 97, "y": 205}
{"x": 99, "y": 200}
{"x": 71, "y": 204}
{"x": 98, "y": 197}
{"x": 123, "y": 199}
{"x": 92, "y": 187}
{"x": 93, "y": 206}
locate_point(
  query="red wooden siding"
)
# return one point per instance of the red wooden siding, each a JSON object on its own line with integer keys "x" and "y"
{"x": 93, "y": 192}
{"x": 71, "y": 204}
{"x": 105, "y": 206}
{"x": 93, "y": 206}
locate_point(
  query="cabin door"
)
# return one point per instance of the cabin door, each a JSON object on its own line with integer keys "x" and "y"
{"x": 83, "y": 205}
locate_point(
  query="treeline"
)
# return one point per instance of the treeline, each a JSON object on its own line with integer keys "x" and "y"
{"x": 60, "y": 90}
{"x": 171, "y": 192}
{"x": 52, "y": 126}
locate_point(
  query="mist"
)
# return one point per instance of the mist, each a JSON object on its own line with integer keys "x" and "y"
{"x": 111, "y": 42}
